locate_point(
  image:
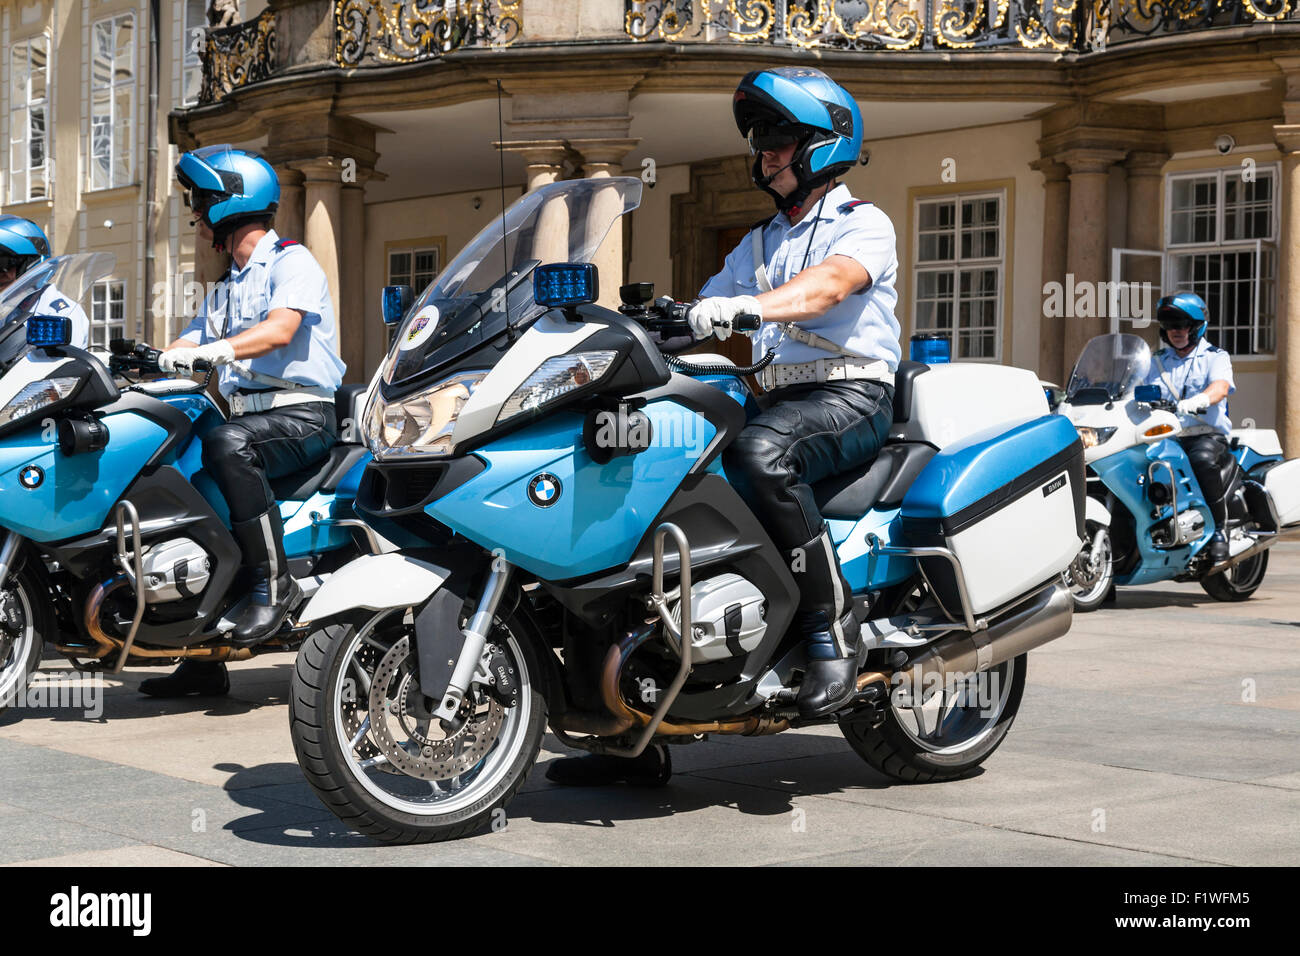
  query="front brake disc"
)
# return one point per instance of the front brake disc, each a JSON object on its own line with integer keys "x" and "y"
{"x": 427, "y": 752}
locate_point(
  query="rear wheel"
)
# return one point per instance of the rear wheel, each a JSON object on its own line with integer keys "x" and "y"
{"x": 942, "y": 733}
{"x": 24, "y": 622}
{"x": 1239, "y": 582}
{"x": 374, "y": 755}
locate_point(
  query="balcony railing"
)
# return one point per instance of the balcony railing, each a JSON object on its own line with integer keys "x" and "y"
{"x": 403, "y": 31}
{"x": 1055, "y": 25}
{"x": 238, "y": 55}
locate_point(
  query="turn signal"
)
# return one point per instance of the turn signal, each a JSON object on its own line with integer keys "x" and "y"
{"x": 1157, "y": 430}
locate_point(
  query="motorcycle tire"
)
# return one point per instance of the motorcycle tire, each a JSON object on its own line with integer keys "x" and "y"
{"x": 23, "y": 641}
{"x": 344, "y": 784}
{"x": 896, "y": 751}
{"x": 1237, "y": 583}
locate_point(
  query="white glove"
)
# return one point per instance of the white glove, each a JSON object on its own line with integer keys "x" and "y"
{"x": 714, "y": 315}
{"x": 1196, "y": 405}
{"x": 216, "y": 353}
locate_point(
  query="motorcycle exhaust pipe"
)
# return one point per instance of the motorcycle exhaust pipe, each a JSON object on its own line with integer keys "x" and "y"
{"x": 1044, "y": 618}
{"x": 1263, "y": 544}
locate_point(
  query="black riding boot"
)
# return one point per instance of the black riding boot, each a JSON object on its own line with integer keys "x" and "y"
{"x": 829, "y": 627}
{"x": 274, "y": 592}
{"x": 204, "y": 678}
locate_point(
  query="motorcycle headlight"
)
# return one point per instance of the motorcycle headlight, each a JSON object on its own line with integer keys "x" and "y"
{"x": 419, "y": 424}
{"x": 1091, "y": 437}
{"x": 35, "y": 396}
{"x": 555, "y": 377}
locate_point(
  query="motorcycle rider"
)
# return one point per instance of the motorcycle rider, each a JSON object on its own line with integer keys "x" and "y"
{"x": 820, "y": 275}
{"x": 1198, "y": 376}
{"x": 269, "y": 325}
{"x": 23, "y": 245}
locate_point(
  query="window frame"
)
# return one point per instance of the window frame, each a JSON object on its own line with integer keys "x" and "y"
{"x": 1174, "y": 252}
{"x": 20, "y": 115}
{"x": 107, "y": 285}
{"x": 958, "y": 264}
{"x": 114, "y": 87}
{"x": 435, "y": 244}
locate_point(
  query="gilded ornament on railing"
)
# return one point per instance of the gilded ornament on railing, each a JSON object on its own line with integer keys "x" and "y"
{"x": 236, "y": 56}
{"x": 1055, "y": 25}
{"x": 403, "y": 31}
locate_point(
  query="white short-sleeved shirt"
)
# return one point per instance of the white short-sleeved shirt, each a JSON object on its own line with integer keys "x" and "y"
{"x": 1181, "y": 378}
{"x": 864, "y": 322}
{"x": 278, "y": 275}
{"x": 54, "y": 302}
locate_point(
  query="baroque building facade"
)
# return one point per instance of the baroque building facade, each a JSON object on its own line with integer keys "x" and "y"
{"x": 1050, "y": 168}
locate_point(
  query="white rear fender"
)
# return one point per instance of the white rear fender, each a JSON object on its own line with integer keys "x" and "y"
{"x": 375, "y": 582}
{"x": 1094, "y": 510}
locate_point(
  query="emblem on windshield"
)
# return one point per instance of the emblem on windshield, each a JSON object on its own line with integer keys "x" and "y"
{"x": 31, "y": 476}
{"x": 544, "y": 490}
{"x": 421, "y": 327}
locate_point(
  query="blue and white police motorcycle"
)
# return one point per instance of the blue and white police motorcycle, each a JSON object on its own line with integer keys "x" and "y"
{"x": 115, "y": 547}
{"x": 587, "y": 564}
{"x": 1146, "y": 518}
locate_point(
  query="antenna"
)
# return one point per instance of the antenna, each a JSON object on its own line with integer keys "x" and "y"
{"x": 505, "y": 255}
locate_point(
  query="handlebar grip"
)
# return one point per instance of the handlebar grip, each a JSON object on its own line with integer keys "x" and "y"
{"x": 746, "y": 322}
{"x": 200, "y": 365}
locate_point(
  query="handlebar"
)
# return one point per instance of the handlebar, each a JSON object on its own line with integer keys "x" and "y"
{"x": 670, "y": 318}
{"x": 131, "y": 356}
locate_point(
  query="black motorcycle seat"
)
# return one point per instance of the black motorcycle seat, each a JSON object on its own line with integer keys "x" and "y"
{"x": 880, "y": 485}
{"x": 323, "y": 477}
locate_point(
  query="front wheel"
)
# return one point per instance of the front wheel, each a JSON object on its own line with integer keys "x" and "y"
{"x": 1090, "y": 576}
{"x": 1239, "y": 582}
{"x": 371, "y": 750}
{"x": 24, "y": 622}
{"x": 941, "y": 733}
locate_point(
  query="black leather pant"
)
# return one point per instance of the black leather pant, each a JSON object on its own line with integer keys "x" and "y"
{"x": 1213, "y": 466}
{"x": 243, "y": 454}
{"x": 808, "y": 433}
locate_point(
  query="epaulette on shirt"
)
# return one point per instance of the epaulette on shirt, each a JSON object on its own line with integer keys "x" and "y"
{"x": 851, "y": 205}
{"x": 283, "y": 244}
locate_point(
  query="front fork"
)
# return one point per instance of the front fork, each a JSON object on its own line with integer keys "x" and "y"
{"x": 474, "y": 654}
{"x": 8, "y": 554}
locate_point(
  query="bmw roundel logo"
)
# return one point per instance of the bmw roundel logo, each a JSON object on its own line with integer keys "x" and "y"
{"x": 544, "y": 490}
{"x": 31, "y": 476}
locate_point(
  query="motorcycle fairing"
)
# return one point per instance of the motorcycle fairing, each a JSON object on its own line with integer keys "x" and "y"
{"x": 302, "y": 536}
{"x": 77, "y": 492}
{"x": 602, "y": 511}
{"x": 864, "y": 571}
{"x": 1118, "y": 473}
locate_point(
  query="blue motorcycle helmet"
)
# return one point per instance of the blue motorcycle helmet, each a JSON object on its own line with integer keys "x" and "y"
{"x": 22, "y": 244}
{"x": 802, "y": 105}
{"x": 1184, "y": 310}
{"x": 227, "y": 188}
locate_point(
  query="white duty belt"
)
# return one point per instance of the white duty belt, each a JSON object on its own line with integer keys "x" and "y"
{"x": 283, "y": 392}
{"x": 850, "y": 366}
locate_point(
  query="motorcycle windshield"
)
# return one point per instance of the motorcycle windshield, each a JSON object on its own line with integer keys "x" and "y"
{"x": 1116, "y": 363}
{"x": 71, "y": 275}
{"x": 487, "y": 284}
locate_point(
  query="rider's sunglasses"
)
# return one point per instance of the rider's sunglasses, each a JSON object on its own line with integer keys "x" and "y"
{"x": 765, "y": 138}
{"x": 1181, "y": 322}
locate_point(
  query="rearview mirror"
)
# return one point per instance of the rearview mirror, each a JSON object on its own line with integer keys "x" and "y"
{"x": 1147, "y": 393}
{"x": 394, "y": 302}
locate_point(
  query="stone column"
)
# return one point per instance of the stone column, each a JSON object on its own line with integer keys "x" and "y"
{"x": 543, "y": 159}
{"x": 289, "y": 217}
{"x": 354, "y": 319}
{"x": 1056, "y": 214}
{"x": 1144, "y": 230}
{"x": 322, "y": 219}
{"x": 601, "y": 159}
{"x": 1087, "y": 258}
{"x": 1288, "y": 299}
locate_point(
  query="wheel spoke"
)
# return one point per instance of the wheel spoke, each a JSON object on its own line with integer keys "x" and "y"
{"x": 372, "y": 762}
{"x": 362, "y": 677}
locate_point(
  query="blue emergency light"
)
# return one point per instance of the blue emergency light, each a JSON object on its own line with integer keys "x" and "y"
{"x": 932, "y": 348}
{"x": 564, "y": 284}
{"x": 44, "y": 331}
